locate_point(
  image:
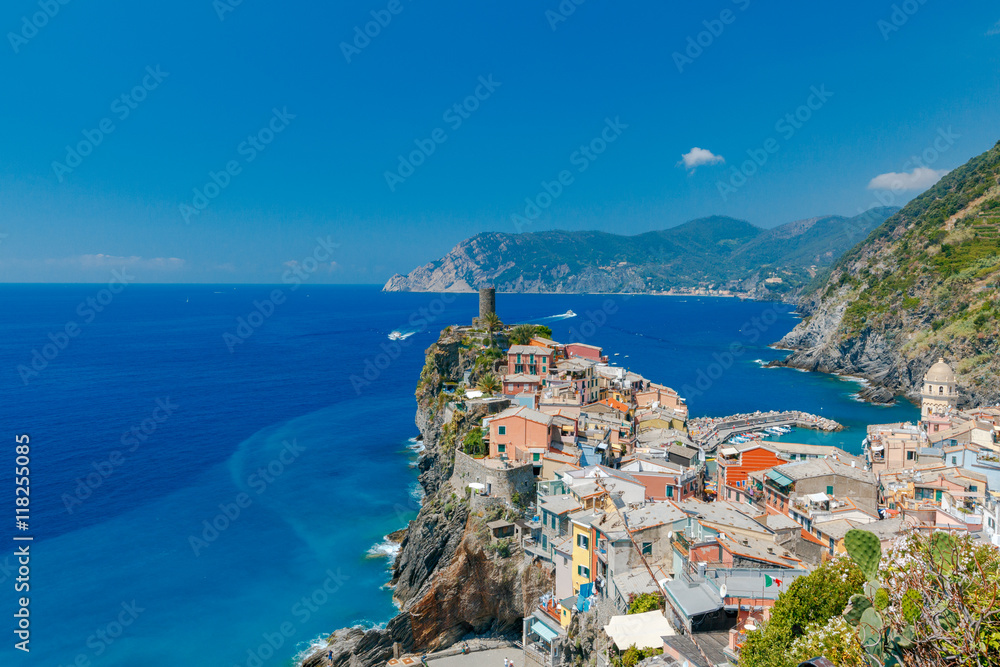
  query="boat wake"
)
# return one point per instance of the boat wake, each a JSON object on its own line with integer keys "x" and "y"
{"x": 401, "y": 334}
{"x": 553, "y": 318}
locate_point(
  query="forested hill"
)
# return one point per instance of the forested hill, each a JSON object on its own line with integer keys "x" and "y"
{"x": 922, "y": 285}
{"x": 716, "y": 252}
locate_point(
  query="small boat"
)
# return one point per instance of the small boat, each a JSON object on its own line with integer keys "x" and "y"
{"x": 395, "y": 335}
{"x": 570, "y": 313}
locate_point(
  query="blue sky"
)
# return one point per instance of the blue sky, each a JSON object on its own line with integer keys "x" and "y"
{"x": 265, "y": 89}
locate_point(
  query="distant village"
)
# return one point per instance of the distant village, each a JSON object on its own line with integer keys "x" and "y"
{"x": 623, "y": 496}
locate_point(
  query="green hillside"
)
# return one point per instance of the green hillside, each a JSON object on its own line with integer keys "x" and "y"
{"x": 716, "y": 252}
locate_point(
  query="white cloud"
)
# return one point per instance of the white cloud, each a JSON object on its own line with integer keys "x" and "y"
{"x": 698, "y": 157}
{"x": 920, "y": 178}
{"x": 102, "y": 261}
{"x": 995, "y": 30}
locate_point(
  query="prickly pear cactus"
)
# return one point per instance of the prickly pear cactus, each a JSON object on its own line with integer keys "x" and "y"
{"x": 881, "y": 600}
{"x": 911, "y": 605}
{"x": 856, "y": 607}
{"x": 864, "y": 549}
{"x": 942, "y": 551}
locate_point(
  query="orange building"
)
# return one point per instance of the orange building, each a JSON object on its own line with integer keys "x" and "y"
{"x": 735, "y": 463}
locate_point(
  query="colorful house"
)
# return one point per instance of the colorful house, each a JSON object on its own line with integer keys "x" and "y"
{"x": 522, "y": 434}
{"x": 529, "y": 359}
{"x": 735, "y": 463}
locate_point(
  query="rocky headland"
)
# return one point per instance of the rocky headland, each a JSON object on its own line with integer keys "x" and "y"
{"x": 446, "y": 582}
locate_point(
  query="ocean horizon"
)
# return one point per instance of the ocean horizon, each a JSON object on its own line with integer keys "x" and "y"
{"x": 214, "y": 487}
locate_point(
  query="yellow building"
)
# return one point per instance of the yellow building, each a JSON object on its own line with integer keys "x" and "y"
{"x": 582, "y": 552}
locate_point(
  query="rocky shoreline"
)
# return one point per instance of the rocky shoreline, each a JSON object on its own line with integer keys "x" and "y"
{"x": 445, "y": 583}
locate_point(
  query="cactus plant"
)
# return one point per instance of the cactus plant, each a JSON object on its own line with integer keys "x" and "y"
{"x": 855, "y": 608}
{"x": 911, "y": 604}
{"x": 865, "y": 550}
{"x": 942, "y": 550}
{"x": 881, "y": 600}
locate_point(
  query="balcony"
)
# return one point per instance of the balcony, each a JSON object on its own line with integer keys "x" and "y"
{"x": 533, "y": 549}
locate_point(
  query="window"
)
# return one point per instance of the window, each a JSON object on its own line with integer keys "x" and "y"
{"x": 973, "y": 487}
{"x": 518, "y": 358}
{"x": 582, "y": 541}
{"x": 670, "y": 491}
{"x": 909, "y": 456}
{"x": 647, "y": 548}
{"x": 829, "y": 490}
{"x": 941, "y": 389}
{"x": 545, "y": 542}
{"x": 501, "y": 449}
{"x": 583, "y": 571}
{"x": 502, "y": 430}
{"x": 535, "y": 457}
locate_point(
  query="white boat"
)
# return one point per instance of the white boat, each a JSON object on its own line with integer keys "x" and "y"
{"x": 570, "y": 313}
{"x": 400, "y": 335}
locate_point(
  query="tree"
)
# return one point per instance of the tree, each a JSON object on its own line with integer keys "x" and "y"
{"x": 809, "y": 603}
{"x": 644, "y": 602}
{"x": 489, "y": 384}
{"x": 474, "y": 444}
{"x": 492, "y": 323}
{"x": 522, "y": 334}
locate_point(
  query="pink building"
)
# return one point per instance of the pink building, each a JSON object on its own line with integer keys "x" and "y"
{"x": 591, "y": 352}
{"x": 522, "y": 434}
{"x": 529, "y": 360}
{"x": 520, "y": 383}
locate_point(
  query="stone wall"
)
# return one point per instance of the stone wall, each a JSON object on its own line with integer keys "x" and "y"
{"x": 503, "y": 481}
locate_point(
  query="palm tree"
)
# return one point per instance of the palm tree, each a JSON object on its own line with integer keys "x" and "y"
{"x": 489, "y": 384}
{"x": 522, "y": 334}
{"x": 493, "y": 324}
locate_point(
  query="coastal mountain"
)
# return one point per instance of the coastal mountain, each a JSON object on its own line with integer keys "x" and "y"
{"x": 714, "y": 253}
{"x": 921, "y": 286}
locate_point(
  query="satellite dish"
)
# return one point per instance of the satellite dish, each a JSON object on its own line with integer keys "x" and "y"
{"x": 750, "y": 625}
{"x": 723, "y": 590}
{"x": 670, "y": 535}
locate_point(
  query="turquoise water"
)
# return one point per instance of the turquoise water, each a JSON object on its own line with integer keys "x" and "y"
{"x": 319, "y": 399}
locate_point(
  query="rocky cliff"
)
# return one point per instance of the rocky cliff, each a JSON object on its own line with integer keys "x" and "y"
{"x": 923, "y": 285}
{"x": 446, "y": 581}
{"x": 716, "y": 252}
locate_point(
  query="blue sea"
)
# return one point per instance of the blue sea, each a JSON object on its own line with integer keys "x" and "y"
{"x": 214, "y": 469}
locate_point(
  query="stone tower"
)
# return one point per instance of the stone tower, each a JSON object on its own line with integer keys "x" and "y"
{"x": 939, "y": 395}
{"x": 487, "y": 301}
